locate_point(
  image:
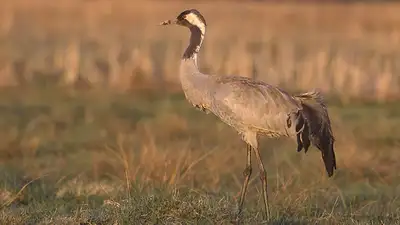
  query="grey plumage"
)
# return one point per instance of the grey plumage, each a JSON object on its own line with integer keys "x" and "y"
{"x": 253, "y": 107}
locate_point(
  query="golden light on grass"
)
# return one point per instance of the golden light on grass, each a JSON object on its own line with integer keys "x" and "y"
{"x": 117, "y": 155}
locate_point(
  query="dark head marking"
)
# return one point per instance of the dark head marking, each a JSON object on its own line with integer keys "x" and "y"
{"x": 182, "y": 17}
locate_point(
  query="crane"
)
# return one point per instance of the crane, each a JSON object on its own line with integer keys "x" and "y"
{"x": 253, "y": 108}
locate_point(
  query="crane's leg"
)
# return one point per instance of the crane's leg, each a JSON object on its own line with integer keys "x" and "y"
{"x": 247, "y": 174}
{"x": 263, "y": 177}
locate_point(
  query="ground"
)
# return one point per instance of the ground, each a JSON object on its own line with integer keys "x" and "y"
{"x": 97, "y": 157}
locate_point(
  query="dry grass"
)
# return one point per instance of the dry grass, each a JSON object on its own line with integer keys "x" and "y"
{"x": 349, "y": 50}
{"x": 106, "y": 158}
{"x": 102, "y": 156}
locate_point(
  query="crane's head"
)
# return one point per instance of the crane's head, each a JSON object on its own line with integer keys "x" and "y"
{"x": 188, "y": 18}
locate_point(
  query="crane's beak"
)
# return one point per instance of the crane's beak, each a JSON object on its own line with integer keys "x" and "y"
{"x": 168, "y": 22}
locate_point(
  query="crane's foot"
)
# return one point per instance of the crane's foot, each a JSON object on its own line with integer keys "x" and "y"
{"x": 236, "y": 221}
{"x": 238, "y": 217}
{"x": 267, "y": 214}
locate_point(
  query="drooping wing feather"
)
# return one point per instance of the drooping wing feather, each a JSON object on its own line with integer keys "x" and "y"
{"x": 320, "y": 132}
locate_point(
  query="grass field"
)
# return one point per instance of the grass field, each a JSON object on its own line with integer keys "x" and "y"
{"x": 131, "y": 150}
{"x": 102, "y": 158}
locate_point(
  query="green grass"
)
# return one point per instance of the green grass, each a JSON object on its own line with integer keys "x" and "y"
{"x": 97, "y": 157}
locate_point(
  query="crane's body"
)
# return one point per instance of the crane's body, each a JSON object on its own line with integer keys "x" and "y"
{"x": 253, "y": 107}
{"x": 244, "y": 104}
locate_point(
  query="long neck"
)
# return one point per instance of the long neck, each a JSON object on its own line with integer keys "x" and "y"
{"x": 194, "y": 83}
{"x": 196, "y": 39}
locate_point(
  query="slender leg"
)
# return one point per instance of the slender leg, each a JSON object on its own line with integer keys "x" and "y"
{"x": 263, "y": 177}
{"x": 247, "y": 174}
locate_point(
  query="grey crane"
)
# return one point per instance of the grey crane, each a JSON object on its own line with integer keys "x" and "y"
{"x": 253, "y": 107}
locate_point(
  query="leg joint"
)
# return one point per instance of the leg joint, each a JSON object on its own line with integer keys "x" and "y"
{"x": 262, "y": 175}
{"x": 247, "y": 171}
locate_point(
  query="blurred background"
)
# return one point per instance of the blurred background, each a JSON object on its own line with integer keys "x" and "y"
{"x": 95, "y": 128}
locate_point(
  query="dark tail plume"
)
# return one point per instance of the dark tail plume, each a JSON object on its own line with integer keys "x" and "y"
{"x": 316, "y": 128}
